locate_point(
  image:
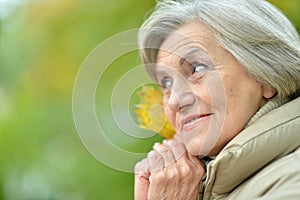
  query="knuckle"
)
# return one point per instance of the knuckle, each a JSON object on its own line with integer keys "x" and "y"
{"x": 185, "y": 170}
{"x": 158, "y": 176}
{"x": 172, "y": 174}
{"x": 152, "y": 156}
{"x": 141, "y": 166}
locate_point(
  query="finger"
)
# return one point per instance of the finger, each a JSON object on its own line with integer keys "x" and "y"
{"x": 141, "y": 180}
{"x": 141, "y": 188}
{"x": 141, "y": 167}
{"x": 177, "y": 148}
{"x": 155, "y": 161}
{"x": 165, "y": 152}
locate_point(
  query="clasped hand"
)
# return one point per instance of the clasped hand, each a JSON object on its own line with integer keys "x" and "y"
{"x": 168, "y": 172}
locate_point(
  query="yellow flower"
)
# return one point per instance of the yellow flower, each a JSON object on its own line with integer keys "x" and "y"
{"x": 150, "y": 113}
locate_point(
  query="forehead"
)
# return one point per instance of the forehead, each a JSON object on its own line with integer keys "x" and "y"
{"x": 192, "y": 36}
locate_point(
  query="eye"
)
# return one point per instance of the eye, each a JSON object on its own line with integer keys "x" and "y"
{"x": 167, "y": 82}
{"x": 198, "y": 67}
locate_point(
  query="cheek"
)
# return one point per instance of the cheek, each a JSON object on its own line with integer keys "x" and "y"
{"x": 214, "y": 90}
{"x": 203, "y": 92}
{"x": 171, "y": 116}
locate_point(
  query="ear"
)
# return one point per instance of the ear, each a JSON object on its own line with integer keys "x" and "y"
{"x": 269, "y": 92}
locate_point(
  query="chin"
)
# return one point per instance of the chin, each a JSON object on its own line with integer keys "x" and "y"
{"x": 194, "y": 148}
{"x": 199, "y": 148}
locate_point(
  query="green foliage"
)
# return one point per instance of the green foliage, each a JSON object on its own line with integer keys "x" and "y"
{"x": 43, "y": 44}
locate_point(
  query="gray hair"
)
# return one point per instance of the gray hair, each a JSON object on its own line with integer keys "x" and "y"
{"x": 255, "y": 32}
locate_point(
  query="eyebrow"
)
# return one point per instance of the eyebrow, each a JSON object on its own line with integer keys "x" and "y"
{"x": 189, "y": 54}
{"x": 182, "y": 59}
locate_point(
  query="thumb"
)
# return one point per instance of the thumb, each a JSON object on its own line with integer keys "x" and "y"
{"x": 141, "y": 180}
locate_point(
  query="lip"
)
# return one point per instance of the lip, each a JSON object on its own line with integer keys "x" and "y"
{"x": 193, "y": 121}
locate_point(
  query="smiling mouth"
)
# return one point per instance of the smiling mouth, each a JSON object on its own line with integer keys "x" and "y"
{"x": 192, "y": 122}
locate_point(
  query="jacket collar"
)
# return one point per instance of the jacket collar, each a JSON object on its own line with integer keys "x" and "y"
{"x": 269, "y": 137}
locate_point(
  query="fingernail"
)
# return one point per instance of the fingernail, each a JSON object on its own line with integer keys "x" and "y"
{"x": 167, "y": 142}
{"x": 156, "y": 146}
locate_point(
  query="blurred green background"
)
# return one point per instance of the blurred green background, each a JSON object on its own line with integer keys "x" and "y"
{"x": 43, "y": 43}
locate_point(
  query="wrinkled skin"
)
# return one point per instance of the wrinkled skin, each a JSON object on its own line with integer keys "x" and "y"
{"x": 208, "y": 98}
{"x": 168, "y": 172}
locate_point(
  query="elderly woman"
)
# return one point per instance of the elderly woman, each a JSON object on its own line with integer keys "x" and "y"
{"x": 230, "y": 74}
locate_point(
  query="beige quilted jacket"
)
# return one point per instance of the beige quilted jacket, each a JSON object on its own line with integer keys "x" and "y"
{"x": 263, "y": 161}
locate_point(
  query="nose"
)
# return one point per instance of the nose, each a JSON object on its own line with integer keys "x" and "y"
{"x": 181, "y": 96}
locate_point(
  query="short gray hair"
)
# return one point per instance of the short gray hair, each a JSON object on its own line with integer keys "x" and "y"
{"x": 255, "y": 32}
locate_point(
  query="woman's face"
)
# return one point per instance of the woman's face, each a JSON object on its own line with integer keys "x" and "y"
{"x": 208, "y": 96}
